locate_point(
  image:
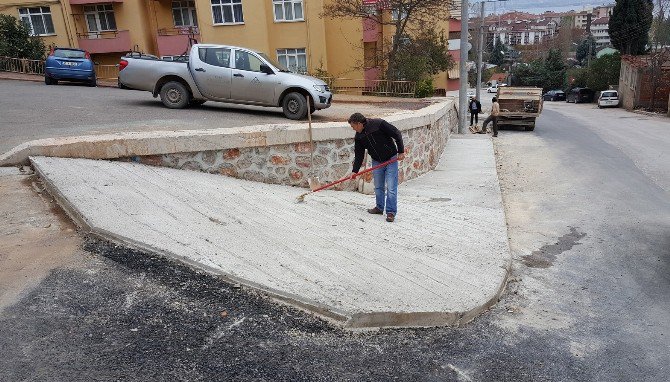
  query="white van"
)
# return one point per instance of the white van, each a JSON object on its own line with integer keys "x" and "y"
{"x": 608, "y": 98}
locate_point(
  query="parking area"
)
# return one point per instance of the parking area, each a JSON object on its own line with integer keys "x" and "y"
{"x": 32, "y": 110}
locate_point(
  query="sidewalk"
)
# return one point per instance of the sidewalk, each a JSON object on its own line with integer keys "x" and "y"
{"x": 443, "y": 261}
{"x": 40, "y": 78}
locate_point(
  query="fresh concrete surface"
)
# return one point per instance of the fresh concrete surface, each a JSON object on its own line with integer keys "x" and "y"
{"x": 444, "y": 260}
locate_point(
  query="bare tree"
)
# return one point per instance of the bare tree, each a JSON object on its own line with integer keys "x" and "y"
{"x": 407, "y": 16}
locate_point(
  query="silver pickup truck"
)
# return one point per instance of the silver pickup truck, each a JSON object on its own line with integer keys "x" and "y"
{"x": 225, "y": 74}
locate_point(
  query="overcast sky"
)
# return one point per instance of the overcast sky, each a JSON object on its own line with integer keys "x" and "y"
{"x": 539, "y": 6}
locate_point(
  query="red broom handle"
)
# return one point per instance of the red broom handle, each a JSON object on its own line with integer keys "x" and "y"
{"x": 357, "y": 174}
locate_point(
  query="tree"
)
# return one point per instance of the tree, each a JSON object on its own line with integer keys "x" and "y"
{"x": 604, "y": 71}
{"x": 546, "y": 74}
{"x": 629, "y": 25}
{"x": 588, "y": 45}
{"x": 409, "y": 17}
{"x": 424, "y": 55}
{"x": 16, "y": 41}
{"x": 498, "y": 53}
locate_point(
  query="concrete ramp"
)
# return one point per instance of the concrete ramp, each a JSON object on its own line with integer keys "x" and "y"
{"x": 444, "y": 260}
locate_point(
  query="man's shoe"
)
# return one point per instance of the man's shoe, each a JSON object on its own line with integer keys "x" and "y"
{"x": 495, "y": 135}
{"x": 390, "y": 218}
{"x": 375, "y": 211}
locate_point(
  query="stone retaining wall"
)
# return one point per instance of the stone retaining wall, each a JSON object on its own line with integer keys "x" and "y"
{"x": 425, "y": 133}
{"x": 278, "y": 153}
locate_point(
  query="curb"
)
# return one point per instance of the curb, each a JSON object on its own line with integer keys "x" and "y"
{"x": 31, "y": 78}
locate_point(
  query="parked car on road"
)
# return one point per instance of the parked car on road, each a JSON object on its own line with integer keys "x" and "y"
{"x": 608, "y": 98}
{"x": 225, "y": 74}
{"x": 554, "y": 95}
{"x": 69, "y": 64}
{"x": 492, "y": 89}
{"x": 579, "y": 95}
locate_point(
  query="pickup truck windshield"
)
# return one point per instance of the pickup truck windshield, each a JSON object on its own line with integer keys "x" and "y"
{"x": 274, "y": 63}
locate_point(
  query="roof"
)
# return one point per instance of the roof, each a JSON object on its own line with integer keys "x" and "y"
{"x": 602, "y": 20}
{"x": 498, "y": 77}
{"x": 643, "y": 61}
{"x": 605, "y": 51}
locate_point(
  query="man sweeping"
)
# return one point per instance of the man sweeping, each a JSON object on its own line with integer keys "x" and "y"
{"x": 384, "y": 143}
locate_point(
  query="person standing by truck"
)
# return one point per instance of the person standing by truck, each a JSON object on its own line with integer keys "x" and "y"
{"x": 493, "y": 117}
{"x": 475, "y": 108}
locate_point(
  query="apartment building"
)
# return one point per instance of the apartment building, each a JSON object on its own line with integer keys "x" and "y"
{"x": 517, "y": 28}
{"x": 290, "y": 30}
{"x": 600, "y": 32}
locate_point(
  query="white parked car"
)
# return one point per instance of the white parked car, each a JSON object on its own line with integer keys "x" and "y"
{"x": 608, "y": 98}
{"x": 492, "y": 89}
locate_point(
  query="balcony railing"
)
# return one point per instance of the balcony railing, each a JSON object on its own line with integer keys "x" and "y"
{"x": 383, "y": 88}
{"x": 188, "y": 31}
{"x": 105, "y": 42}
{"x": 176, "y": 41}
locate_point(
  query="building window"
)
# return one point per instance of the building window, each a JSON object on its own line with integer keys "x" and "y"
{"x": 247, "y": 61}
{"x": 100, "y": 18}
{"x": 397, "y": 13}
{"x": 215, "y": 56}
{"x": 294, "y": 59}
{"x": 183, "y": 13}
{"x": 38, "y": 19}
{"x": 402, "y": 41}
{"x": 288, "y": 10}
{"x": 227, "y": 11}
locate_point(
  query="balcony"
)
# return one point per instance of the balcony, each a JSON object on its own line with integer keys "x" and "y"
{"x": 80, "y": 2}
{"x": 175, "y": 41}
{"x": 105, "y": 42}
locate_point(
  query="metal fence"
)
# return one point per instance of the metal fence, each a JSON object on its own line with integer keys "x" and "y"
{"x": 26, "y": 66}
{"x": 21, "y": 65}
{"x": 382, "y": 88}
{"x": 107, "y": 72}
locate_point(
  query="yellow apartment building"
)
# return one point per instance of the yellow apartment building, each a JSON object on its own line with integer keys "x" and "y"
{"x": 291, "y": 31}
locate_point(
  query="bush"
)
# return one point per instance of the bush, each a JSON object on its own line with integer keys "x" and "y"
{"x": 425, "y": 88}
{"x": 16, "y": 41}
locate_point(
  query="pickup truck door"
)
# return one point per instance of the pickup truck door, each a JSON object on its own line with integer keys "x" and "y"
{"x": 212, "y": 73}
{"x": 249, "y": 83}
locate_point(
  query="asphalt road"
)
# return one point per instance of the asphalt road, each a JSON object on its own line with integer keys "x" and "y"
{"x": 31, "y": 110}
{"x": 589, "y": 219}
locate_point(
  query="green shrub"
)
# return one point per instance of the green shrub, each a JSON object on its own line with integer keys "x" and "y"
{"x": 424, "y": 88}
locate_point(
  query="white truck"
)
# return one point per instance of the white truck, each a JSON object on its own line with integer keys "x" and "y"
{"x": 225, "y": 74}
{"x": 519, "y": 106}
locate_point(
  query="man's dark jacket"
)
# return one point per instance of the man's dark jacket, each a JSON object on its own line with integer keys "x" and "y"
{"x": 378, "y": 137}
{"x": 479, "y": 107}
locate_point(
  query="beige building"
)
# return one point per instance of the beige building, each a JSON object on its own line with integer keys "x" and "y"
{"x": 291, "y": 31}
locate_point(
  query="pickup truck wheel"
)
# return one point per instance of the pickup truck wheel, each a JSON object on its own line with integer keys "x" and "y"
{"x": 174, "y": 95}
{"x": 295, "y": 106}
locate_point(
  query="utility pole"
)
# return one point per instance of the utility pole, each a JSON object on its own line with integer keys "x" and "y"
{"x": 463, "y": 73}
{"x": 481, "y": 51}
{"x": 589, "y": 38}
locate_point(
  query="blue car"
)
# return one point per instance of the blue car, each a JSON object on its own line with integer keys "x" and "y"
{"x": 69, "y": 64}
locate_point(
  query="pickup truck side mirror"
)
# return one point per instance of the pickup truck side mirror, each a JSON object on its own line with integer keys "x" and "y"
{"x": 266, "y": 69}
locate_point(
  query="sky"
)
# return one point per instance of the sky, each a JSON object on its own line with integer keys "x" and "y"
{"x": 539, "y": 6}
